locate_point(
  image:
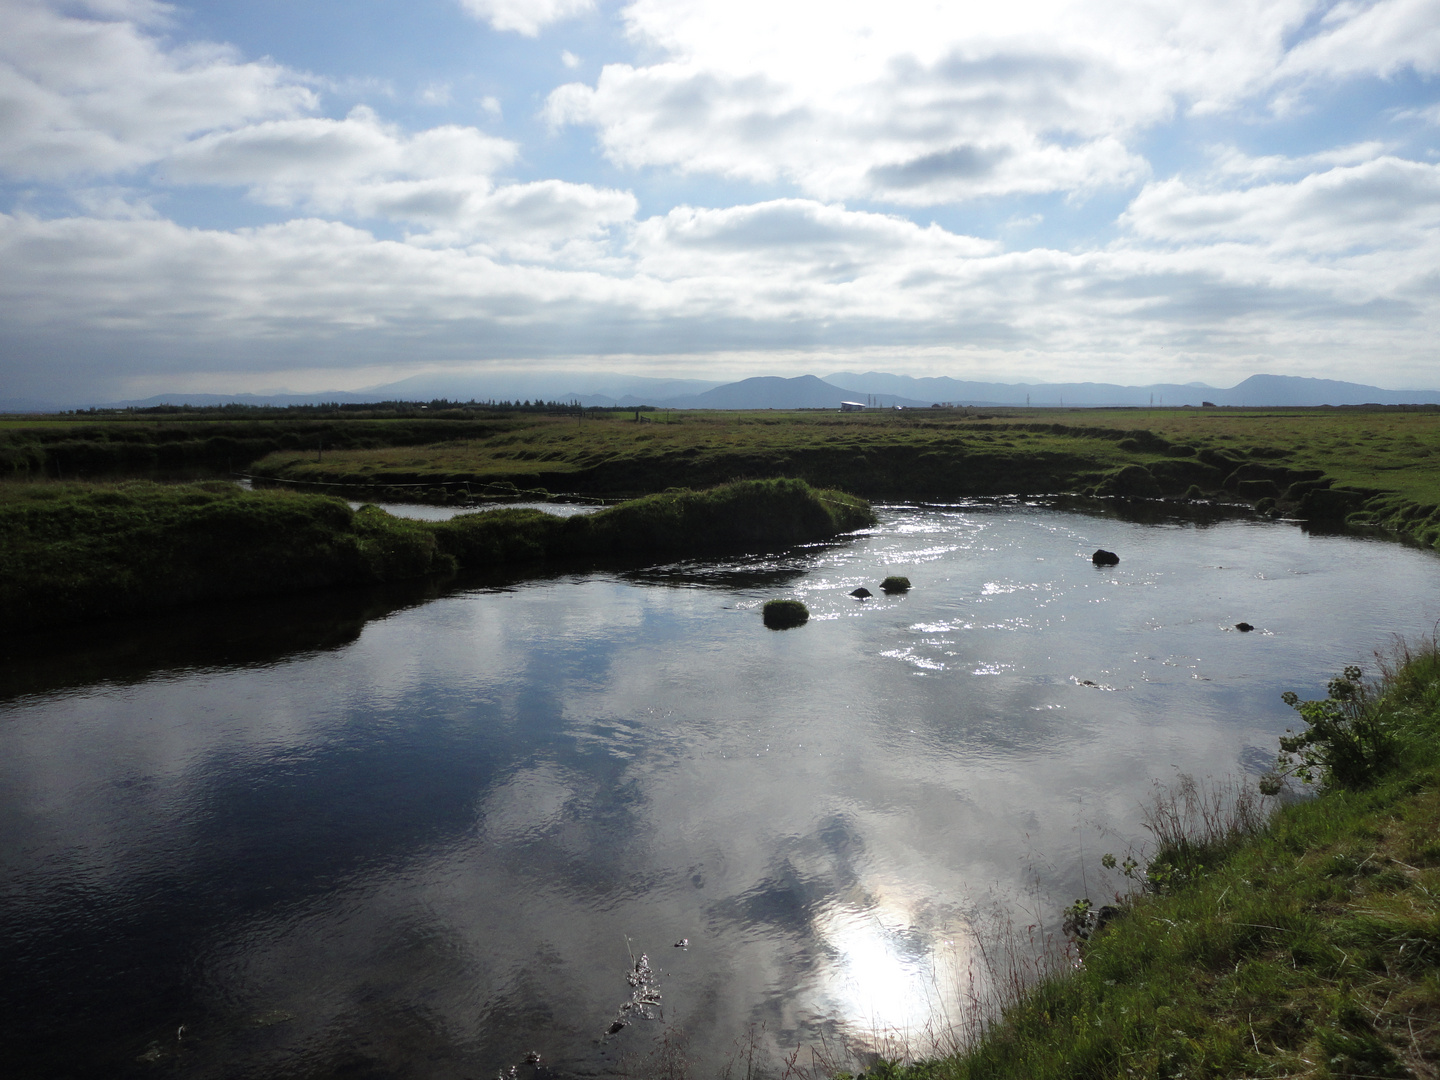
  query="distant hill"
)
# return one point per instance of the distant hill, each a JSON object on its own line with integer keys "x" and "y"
{"x": 1258, "y": 391}
{"x": 773, "y": 392}
{"x": 1263, "y": 390}
{"x": 957, "y": 392}
{"x": 807, "y": 392}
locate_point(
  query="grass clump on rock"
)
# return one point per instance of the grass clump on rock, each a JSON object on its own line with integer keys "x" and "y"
{"x": 894, "y": 584}
{"x": 783, "y": 614}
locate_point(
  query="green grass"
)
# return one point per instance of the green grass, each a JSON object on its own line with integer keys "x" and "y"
{"x": 1377, "y": 467}
{"x": 784, "y": 614}
{"x": 77, "y": 552}
{"x": 1311, "y": 948}
{"x": 1381, "y": 467}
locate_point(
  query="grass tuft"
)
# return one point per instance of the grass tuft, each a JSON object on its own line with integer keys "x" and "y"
{"x": 784, "y": 614}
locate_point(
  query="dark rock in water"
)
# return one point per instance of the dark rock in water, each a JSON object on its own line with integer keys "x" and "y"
{"x": 861, "y": 593}
{"x": 1104, "y": 558}
{"x": 1244, "y": 627}
{"x": 895, "y": 584}
{"x": 1106, "y": 915}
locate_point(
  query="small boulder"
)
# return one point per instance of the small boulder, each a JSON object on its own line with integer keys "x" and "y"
{"x": 895, "y": 584}
{"x": 1104, "y": 558}
{"x": 1244, "y": 627}
{"x": 861, "y": 593}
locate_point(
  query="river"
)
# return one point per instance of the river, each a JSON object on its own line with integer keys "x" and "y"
{"x": 425, "y": 833}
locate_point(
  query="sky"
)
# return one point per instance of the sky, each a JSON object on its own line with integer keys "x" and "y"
{"x": 315, "y": 194}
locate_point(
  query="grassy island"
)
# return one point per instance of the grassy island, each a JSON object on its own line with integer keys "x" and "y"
{"x": 72, "y": 552}
{"x": 1307, "y": 944}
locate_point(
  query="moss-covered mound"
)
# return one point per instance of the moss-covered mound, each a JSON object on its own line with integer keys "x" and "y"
{"x": 895, "y": 584}
{"x": 75, "y": 552}
{"x": 783, "y": 614}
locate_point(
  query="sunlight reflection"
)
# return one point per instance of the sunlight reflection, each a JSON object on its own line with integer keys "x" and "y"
{"x": 890, "y": 978}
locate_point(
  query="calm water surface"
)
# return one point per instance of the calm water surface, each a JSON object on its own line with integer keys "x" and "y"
{"x": 426, "y": 512}
{"x": 426, "y": 837}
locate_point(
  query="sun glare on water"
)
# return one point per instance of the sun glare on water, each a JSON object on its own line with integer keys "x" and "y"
{"x": 891, "y": 980}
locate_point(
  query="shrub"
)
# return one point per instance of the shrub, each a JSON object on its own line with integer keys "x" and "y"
{"x": 1346, "y": 742}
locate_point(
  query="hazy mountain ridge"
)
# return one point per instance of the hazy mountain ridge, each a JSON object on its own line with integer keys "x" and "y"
{"x": 883, "y": 389}
{"x": 1258, "y": 391}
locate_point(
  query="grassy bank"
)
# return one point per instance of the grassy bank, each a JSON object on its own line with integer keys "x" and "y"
{"x": 1307, "y": 947}
{"x": 1372, "y": 466}
{"x": 72, "y": 552}
{"x": 1378, "y": 467}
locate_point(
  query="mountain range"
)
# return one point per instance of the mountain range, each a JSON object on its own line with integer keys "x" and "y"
{"x": 809, "y": 392}
{"x": 888, "y": 390}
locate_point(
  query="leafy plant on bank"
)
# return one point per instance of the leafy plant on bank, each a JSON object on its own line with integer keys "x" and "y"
{"x": 1347, "y": 741}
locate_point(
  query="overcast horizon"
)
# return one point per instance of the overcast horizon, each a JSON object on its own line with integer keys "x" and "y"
{"x": 218, "y": 198}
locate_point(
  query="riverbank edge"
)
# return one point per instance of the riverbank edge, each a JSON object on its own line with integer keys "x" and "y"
{"x": 79, "y": 552}
{"x": 1159, "y": 472}
{"x": 1310, "y": 947}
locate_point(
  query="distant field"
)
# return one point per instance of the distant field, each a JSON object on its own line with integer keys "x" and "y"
{"x": 1387, "y": 459}
{"x": 916, "y": 452}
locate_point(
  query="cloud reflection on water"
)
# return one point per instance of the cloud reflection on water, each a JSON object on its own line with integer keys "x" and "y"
{"x": 445, "y": 832}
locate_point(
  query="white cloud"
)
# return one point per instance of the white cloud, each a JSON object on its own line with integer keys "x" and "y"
{"x": 777, "y": 276}
{"x": 929, "y": 103}
{"x": 280, "y": 157}
{"x": 92, "y": 96}
{"x": 796, "y": 240}
{"x": 1232, "y": 163}
{"x": 1374, "y": 39}
{"x": 1327, "y": 258}
{"x": 526, "y": 17}
{"x": 933, "y": 104}
{"x": 544, "y": 221}
{"x": 439, "y": 180}
{"x": 569, "y": 59}
{"x": 1383, "y": 204}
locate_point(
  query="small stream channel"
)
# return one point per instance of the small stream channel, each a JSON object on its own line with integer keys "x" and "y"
{"x": 427, "y": 833}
